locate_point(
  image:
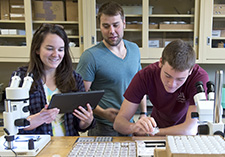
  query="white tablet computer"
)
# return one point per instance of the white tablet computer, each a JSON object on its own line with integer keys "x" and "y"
{"x": 67, "y": 102}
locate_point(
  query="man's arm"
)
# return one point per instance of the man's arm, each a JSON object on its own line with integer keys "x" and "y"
{"x": 109, "y": 113}
{"x": 145, "y": 125}
{"x": 122, "y": 122}
{"x": 143, "y": 106}
{"x": 189, "y": 127}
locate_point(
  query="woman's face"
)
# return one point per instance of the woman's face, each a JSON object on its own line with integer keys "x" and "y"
{"x": 52, "y": 51}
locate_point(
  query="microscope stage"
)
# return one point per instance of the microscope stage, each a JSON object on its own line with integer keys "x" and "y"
{"x": 21, "y": 145}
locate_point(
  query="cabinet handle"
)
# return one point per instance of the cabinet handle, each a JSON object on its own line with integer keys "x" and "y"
{"x": 92, "y": 40}
{"x": 196, "y": 40}
{"x": 82, "y": 40}
{"x": 208, "y": 40}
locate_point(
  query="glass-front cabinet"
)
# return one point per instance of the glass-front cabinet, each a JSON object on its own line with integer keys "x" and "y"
{"x": 134, "y": 21}
{"x": 66, "y": 14}
{"x": 213, "y": 32}
{"x": 21, "y": 18}
{"x": 152, "y": 24}
{"x": 13, "y": 35}
{"x": 170, "y": 20}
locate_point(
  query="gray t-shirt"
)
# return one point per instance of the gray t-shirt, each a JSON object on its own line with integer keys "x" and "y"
{"x": 108, "y": 72}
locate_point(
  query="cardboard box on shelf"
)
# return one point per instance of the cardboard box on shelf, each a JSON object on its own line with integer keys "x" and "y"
{"x": 16, "y": 8}
{"x": 16, "y": 2}
{"x": 222, "y": 33}
{"x": 71, "y": 10}
{"x": 221, "y": 45}
{"x": 219, "y": 9}
{"x": 133, "y": 26}
{"x": 176, "y": 26}
{"x": 4, "y": 9}
{"x": 48, "y": 10}
{"x": 153, "y": 26}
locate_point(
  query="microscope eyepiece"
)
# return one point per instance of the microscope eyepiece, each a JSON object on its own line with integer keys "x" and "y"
{"x": 199, "y": 86}
{"x": 210, "y": 87}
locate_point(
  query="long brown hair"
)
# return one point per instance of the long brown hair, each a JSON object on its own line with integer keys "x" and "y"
{"x": 64, "y": 78}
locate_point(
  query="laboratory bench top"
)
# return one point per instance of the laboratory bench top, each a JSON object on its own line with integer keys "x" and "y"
{"x": 61, "y": 146}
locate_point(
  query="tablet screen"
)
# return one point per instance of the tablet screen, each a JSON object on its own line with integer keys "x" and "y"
{"x": 67, "y": 102}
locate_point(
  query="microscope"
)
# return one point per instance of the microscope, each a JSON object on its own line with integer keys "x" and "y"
{"x": 15, "y": 118}
{"x": 209, "y": 109}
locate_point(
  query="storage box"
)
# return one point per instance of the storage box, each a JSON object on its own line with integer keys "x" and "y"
{"x": 4, "y": 9}
{"x": 15, "y": 16}
{"x": 71, "y": 10}
{"x": 216, "y": 33}
{"x": 153, "y": 26}
{"x": 133, "y": 26}
{"x": 221, "y": 45}
{"x": 16, "y": 2}
{"x": 13, "y": 31}
{"x": 222, "y": 33}
{"x": 176, "y": 26}
{"x": 155, "y": 43}
{"x": 4, "y": 31}
{"x": 219, "y": 9}
{"x": 132, "y": 9}
{"x": 48, "y": 10}
{"x": 166, "y": 41}
{"x": 16, "y": 8}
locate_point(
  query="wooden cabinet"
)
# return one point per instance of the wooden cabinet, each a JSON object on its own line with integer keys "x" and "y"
{"x": 171, "y": 20}
{"x": 15, "y": 47}
{"x": 212, "y": 31}
{"x": 152, "y": 24}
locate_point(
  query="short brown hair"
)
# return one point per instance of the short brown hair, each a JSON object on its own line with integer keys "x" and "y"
{"x": 179, "y": 54}
{"x": 110, "y": 8}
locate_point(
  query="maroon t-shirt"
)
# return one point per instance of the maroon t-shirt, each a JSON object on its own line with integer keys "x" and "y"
{"x": 168, "y": 108}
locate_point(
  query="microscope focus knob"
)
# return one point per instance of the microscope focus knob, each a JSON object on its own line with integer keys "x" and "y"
{"x": 194, "y": 115}
{"x": 203, "y": 130}
{"x": 219, "y": 133}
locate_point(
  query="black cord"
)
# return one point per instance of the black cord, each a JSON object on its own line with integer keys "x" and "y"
{"x": 10, "y": 149}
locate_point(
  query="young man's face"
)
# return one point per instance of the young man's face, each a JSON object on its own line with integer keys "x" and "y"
{"x": 172, "y": 79}
{"x": 112, "y": 29}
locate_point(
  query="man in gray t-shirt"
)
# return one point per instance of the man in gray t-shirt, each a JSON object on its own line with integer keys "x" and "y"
{"x": 110, "y": 65}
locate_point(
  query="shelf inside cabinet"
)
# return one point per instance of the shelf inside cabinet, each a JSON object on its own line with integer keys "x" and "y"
{"x": 171, "y": 15}
{"x": 56, "y": 22}
{"x": 13, "y": 36}
{"x": 133, "y": 15}
{"x": 133, "y": 30}
{"x": 218, "y": 38}
{"x": 73, "y": 36}
{"x": 218, "y": 16}
{"x": 171, "y": 30}
{"x": 12, "y": 21}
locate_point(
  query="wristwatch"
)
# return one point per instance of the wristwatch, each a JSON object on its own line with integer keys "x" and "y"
{"x": 144, "y": 113}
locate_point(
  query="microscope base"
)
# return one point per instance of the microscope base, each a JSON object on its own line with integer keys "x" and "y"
{"x": 214, "y": 127}
{"x": 21, "y": 145}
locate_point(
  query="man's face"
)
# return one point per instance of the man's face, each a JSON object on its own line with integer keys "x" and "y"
{"x": 112, "y": 29}
{"x": 172, "y": 79}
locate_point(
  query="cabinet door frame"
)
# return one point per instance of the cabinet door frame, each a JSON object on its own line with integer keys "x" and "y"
{"x": 208, "y": 54}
